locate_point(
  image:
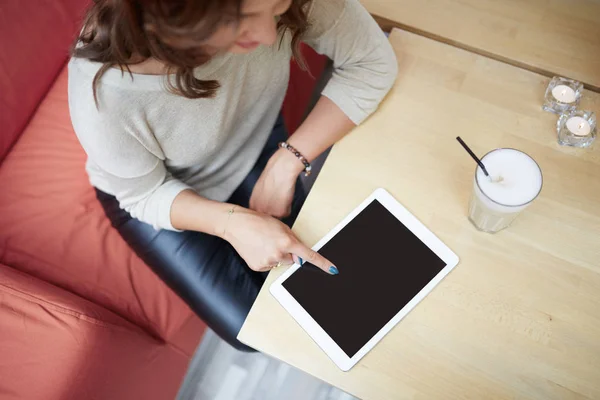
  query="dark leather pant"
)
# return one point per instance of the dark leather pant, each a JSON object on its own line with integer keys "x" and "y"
{"x": 204, "y": 270}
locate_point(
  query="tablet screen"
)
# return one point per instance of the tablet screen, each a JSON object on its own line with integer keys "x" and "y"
{"x": 382, "y": 265}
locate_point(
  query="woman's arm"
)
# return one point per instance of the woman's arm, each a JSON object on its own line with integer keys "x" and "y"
{"x": 324, "y": 126}
{"x": 364, "y": 62}
{"x": 141, "y": 183}
{"x": 192, "y": 212}
{"x": 365, "y": 69}
{"x": 261, "y": 240}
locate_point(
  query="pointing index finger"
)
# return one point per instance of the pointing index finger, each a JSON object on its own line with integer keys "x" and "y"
{"x": 311, "y": 256}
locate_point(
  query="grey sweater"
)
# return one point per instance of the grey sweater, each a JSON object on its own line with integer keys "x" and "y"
{"x": 145, "y": 145}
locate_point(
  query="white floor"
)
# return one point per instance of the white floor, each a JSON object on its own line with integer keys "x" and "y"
{"x": 219, "y": 372}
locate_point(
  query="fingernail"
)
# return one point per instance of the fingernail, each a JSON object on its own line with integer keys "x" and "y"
{"x": 333, "y": 270}
{"x": 301, "y": 260}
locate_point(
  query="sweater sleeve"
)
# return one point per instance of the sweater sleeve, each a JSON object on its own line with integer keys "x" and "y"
{"x": 121, "y": 163}
{"x": 364, "y": 62}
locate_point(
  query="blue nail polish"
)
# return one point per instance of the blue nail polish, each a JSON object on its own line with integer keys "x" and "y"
{"x": 333, "y": 270}
{"x": 301, "y": 261}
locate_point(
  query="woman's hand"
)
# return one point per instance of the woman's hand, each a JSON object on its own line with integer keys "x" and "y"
{"x": 274, "y": 190}
{"x": 263, "y": 242}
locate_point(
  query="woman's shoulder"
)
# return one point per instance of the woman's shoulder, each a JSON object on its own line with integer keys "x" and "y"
{"x": 112, "y": 130}
{"x": 323, "y": 15}
{"x": 107, "y": 111}
{"x": 98, "y": 106}
{"x": 118, "y": 78}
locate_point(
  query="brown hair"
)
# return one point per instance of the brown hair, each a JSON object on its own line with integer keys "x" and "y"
{"x": 126, "y": 32}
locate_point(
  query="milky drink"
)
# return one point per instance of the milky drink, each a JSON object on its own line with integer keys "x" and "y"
{"x": 515, "y": 181}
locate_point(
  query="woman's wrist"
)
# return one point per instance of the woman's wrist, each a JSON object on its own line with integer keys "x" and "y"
{"x": 192, "y": 212}
{"x": 228, "y": 219}
{"x": 288, "y": 164}
{"x": 299, "y": 156}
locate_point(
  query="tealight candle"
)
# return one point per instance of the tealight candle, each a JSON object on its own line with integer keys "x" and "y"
{"x": 576, "y": 128}
{"x": 562, "y": 95}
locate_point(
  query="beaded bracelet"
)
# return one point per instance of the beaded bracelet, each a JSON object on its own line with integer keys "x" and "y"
{"x": 307, "y": 166}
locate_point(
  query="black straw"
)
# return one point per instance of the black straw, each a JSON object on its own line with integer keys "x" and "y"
{"x": 477, "y": 160}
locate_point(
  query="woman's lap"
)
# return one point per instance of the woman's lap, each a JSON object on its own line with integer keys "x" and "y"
{"x": 204, "y": 270}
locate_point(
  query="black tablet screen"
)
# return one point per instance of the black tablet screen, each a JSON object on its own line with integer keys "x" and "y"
{"x": 382, "y": 265}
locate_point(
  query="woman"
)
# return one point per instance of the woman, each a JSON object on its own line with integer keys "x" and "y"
{"x": 176, "y": 103}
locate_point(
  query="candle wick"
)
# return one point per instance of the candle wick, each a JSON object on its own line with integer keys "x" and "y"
{"x": 581, "y": 125}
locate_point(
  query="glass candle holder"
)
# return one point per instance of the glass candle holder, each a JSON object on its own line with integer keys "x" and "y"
{"x": 562, "y": 95}
{"x": 576, "y": 128}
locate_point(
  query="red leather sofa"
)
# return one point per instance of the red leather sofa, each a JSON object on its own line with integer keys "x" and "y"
{"x": 81, "y": 317}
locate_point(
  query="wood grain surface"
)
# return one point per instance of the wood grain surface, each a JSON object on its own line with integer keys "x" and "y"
{"x": 551, "y": 37}
{"x": 519, "y": 317}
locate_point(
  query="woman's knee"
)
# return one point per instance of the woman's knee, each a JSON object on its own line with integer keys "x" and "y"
{"x": 226, "y": 318}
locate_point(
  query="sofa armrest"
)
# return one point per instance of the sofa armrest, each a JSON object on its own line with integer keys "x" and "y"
{"x": 55, "y": 345}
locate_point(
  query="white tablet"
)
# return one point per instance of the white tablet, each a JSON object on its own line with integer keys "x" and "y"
{"x": 388, "y": 262}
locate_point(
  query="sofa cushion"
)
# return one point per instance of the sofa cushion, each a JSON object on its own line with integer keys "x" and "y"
{"x": 55, "y": 346}
{"x": 53, "y": 227}
{"x": 34, "y": 38}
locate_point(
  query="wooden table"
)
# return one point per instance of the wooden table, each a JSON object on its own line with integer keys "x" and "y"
{"x": 519, "y": 317}
{"x": 552, "y": 37}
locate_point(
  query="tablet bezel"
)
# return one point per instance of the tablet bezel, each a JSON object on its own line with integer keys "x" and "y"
{"x": 314, "y": 330}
